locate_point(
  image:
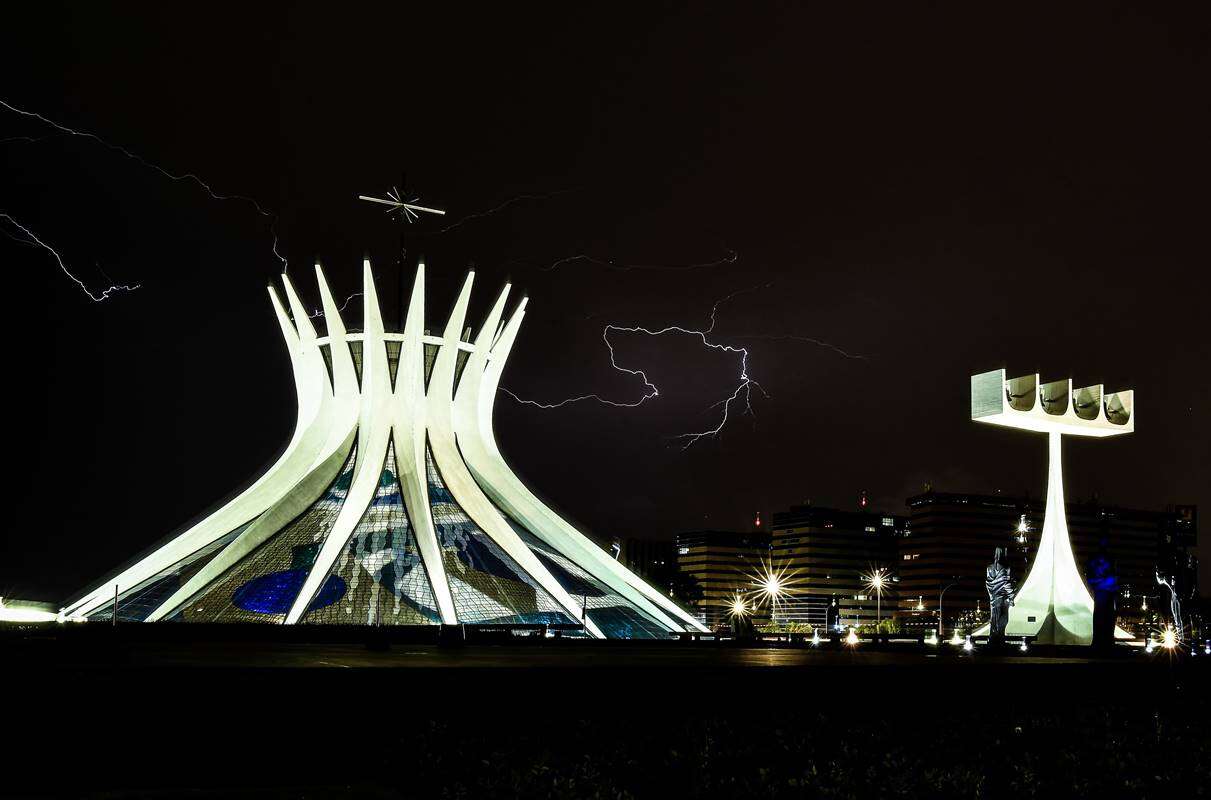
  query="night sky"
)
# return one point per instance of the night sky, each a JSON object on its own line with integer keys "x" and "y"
{"x": 936, "y": 192}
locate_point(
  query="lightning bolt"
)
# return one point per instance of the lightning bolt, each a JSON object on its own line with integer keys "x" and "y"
{"x": 731, "y": 258}
{"x": 32, "y": 238}
{"x": 26, "y": 139}
{"x": 495, "y": 209}
{"x": 807, "y": 339}
{"x": 185, "y": 176}
{"x": 343, "y": 306}
{"x": 744, "y": 387}
{"x": 650, "y": 389}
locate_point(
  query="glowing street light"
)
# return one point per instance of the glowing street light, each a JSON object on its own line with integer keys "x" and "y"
{"x": 875, "y": 582}
{"x": 1022, "y": 529}
{"x": 956, "y": 639}
{"x": 1169, "y": 638}
{"x": 852, "y": 638}
{"x": 771, "y": 587}
{"x": 967, "y": 645}
{"x": 739, "y": 607}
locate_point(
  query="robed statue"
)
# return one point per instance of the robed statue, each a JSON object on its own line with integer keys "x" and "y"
{"x": 1103, "y": 581}
{"x": 1000, "y": 597}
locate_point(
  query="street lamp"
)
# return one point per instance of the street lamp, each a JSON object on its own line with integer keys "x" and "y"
{"x": 771, "y": 587}
{"x": 942, "y": 593}
{"x": 875, "y": 581}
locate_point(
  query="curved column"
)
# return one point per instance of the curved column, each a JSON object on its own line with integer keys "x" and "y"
{"x": 346, "y": 394}
{"x": 310, "y": 378}
{"x": 408, "y": 433}
{"x": 546, "y": 523}
{"x": 456, "y": 475}
{"x": 374, "y": 430}
{"x": 473, "y": 403}
{"x": 1054, "y": 592}
{"x": 279, "y": 516}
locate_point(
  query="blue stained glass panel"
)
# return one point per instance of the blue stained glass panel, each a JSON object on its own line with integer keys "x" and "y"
{"x": 274, "y": 593}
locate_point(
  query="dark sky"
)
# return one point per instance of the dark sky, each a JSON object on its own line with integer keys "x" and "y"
{"x": 940, "y": 192}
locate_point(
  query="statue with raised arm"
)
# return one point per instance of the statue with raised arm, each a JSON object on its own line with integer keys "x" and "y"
{"x": 1000, "y": 597}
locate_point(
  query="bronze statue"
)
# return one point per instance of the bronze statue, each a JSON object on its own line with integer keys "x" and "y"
{"x": 1000, "y": 597}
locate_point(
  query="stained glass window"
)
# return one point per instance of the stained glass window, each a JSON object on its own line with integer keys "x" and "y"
{"x": 355, "y": 351}
{"x": 430, "y": 358}
{"x": 393, "y": 348}
{"x": 459, "y": 363}
{"x": 137, "y": 603}
{"x": 611, "y": 612}
{"x": 381, "y": 566}
{"x": 487, "y": 585}
{"x": 263, "y": 585}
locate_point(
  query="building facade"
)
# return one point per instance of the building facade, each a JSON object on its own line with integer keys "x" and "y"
{"x": 648, "y": 558}
{"x": 392, "y": 504}
{"x": 725, "y": 564}
{"x": 829, "y": 556}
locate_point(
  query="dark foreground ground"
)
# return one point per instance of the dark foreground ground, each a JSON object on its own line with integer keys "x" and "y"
{"x": 125, "y": 715}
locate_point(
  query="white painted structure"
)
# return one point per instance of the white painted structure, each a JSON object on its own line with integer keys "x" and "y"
{"x": 1053, "y": 603}
{"x": 392, "y": 503}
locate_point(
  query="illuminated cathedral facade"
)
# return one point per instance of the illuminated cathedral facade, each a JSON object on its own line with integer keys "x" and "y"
{"x": 391, "y": 504}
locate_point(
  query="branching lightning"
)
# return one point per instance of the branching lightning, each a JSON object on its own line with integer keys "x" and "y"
{"x": 743, "y": 388}
{"x": 742, "y": 393}
{"x": 186, "y": 177}
{"x": 32, "y": 238}
{"x": 650, "y": 389}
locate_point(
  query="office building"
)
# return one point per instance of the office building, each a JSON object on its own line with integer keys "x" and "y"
{"x": 725, "y": 564}
{"x": 829, "y": 556}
